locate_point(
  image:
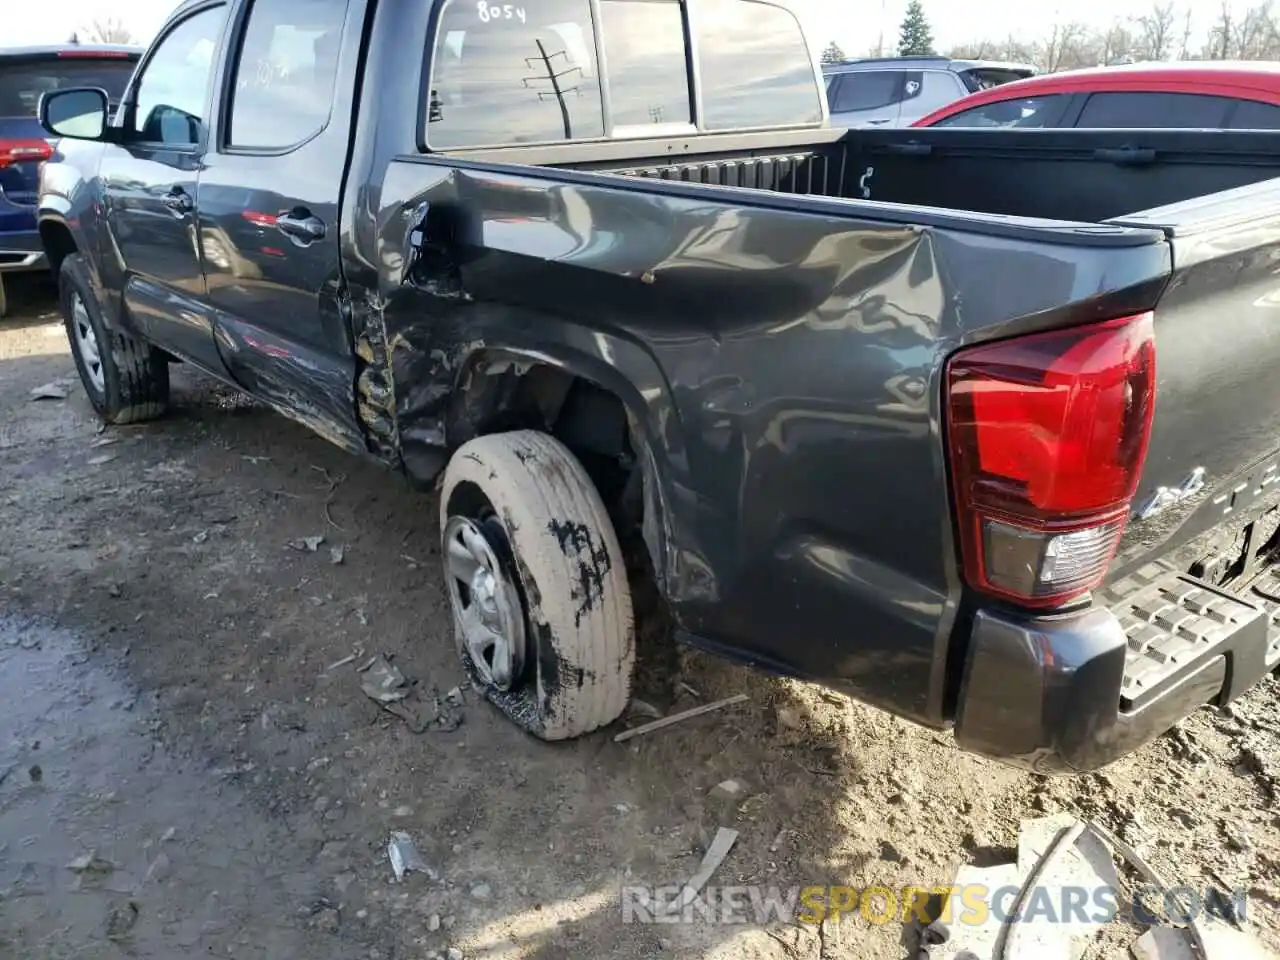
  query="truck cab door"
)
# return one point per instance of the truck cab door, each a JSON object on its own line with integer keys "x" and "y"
{"x": 149, "y": 187}
{"x": 269, "y": 202}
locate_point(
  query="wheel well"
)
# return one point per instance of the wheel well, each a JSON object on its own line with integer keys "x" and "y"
{"x": 500, "y": 395}
{"x": 58, "y": 244}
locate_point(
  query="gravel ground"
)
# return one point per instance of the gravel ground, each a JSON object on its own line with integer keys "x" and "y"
{"x": 169, "y": 701}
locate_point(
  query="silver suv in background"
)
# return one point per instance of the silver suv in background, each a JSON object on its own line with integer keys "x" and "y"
{"x": 897, "y": 91}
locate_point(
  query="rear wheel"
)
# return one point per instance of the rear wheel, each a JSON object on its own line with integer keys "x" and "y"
{"x": 126, "y": 379}
{"x": 537, "y": 583}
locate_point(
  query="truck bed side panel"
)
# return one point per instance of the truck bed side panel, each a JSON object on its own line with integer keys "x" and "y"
{"x": 781, "y": 356}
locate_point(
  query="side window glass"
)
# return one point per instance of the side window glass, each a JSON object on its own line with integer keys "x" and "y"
{"x": 1024, "y": 112}
{"x": 757, "y": 70}
{"x": 1139, "y": 110}
{"x": 647, "y": 62}
{"x": 1252, "y": 115}
{"x": 513, "y": 73}
{"x": 285, "y": 71}
{"x": 172, "y": 92}
{"x": 868, "y": 90}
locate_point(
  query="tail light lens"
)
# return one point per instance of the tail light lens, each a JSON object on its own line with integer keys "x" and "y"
{"x": 24, "y": 151}
{"x": 1047, "y": 436}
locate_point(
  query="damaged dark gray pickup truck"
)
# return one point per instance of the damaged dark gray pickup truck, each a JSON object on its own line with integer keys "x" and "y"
{"x": 976, "y": 426}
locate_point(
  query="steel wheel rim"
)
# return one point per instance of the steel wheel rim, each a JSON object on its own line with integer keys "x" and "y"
{"x": 86, "y": 343}
{"x": 486, "y": 603}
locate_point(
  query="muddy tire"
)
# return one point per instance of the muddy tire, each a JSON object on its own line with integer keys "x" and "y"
{"x": 521, "y": 504}
{"x": 126, "y": 379}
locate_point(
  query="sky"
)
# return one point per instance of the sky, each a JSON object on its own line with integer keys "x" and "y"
{"x": 854, "y": 24}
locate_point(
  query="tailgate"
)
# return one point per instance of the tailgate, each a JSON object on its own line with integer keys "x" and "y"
{"x": 1208, "y": 500}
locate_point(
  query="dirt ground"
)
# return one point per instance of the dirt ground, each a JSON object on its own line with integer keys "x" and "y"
{"x": 167, "y": 702}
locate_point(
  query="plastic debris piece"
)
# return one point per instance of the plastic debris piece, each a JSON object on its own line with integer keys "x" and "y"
{"x": 382, "y": 681}
{"x": 720, "y": 846}
{"x": 404, "y": 856}
{"x": 49, "y": 391}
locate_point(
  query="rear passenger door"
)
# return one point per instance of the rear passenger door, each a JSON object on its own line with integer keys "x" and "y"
{"x": 268, "y": 203}
{"x": 866, "y": 98}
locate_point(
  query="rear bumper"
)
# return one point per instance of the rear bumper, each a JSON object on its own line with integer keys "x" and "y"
{"x": 1073, "y": 693}
{"x": 20, "y": 251}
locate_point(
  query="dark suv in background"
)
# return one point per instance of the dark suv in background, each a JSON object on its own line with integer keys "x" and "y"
{"x": 25, "y": 74}
{"x": 897, "y": 91}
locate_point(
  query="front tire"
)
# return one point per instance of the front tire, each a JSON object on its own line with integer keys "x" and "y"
{"x": 126, "y": 379}
{"x": 536, "y": 579}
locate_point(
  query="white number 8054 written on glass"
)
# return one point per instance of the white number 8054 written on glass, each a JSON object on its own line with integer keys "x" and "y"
{"x": 499, "y": 11}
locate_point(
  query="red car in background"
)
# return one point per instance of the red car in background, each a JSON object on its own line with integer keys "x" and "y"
{"x": 1232, "y": 95}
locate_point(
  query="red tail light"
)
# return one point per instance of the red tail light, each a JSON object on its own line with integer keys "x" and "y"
{"x": 1047, "y": 435}
{"x": 24, "y": 151}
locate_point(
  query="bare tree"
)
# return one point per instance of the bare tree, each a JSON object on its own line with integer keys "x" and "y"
{"x": 1185, "y": 52}
{"x": 1116, "y": 45}
{"x": 1155, "y": 31}
{"x": 1065, "y": 48}
{"x": 1257, "y": 37}
{"x": 975, "y": 50}
{"x": 1222, "y": 36}
{"x": 109, "y": 30}
{"x": 1165, "y": 32}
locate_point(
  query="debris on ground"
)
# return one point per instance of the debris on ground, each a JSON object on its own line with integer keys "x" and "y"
{"x": 789, "y": 718}
{"x": 54, "y": 390}
{"x": 100, "y": 459}
{"x": 1152, "y": 875}
{"x": 1055, "y": 854}
{"x": 340, "y": 663}
{"x": 90, "y": 865}
{"x": 382, "y": 681}
{"x": 121, "y": 920}
{"x": 159, "y": 869}
{"x": 421, "y": 713}
{"x": 200, "y": 537}
{"x": 1220, "y": 943}
{"x": 719, "y": 848}
{"x": 405, "y": 858}
{"x": 678, "y": 717}
{"x": 732, "y": 790}
{"x": 642, "y": 708}
{"x": 337, "y": 555}
{"x": 306, "y": 544}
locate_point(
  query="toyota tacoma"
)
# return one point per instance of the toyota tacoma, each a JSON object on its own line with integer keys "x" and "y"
{"x": 973, "y": 425}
